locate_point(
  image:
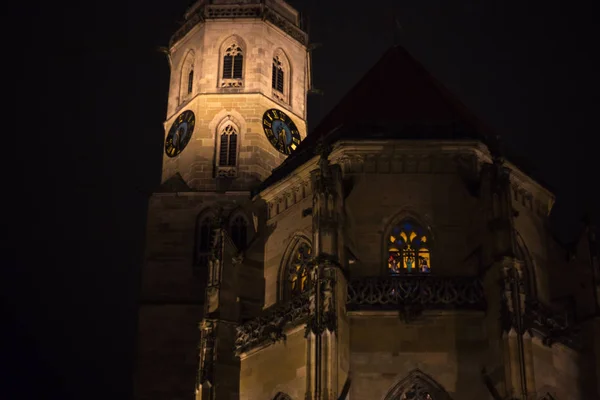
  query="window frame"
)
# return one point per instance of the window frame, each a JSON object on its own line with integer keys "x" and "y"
{"x": 187, "y": 67}
{"x": 284, "y": 65}
{"x": 425, "y": 231}
{"x": 285, "y": 282}
{"x": 233, "y": 81}
{"x": 227, "y": 170}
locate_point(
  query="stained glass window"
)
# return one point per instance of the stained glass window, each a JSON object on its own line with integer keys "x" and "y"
{"x": 298, "y": 270}
{"x": 408, "y": 249}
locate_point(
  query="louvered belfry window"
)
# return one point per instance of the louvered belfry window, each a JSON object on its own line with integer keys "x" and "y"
{"x": 233, "y": 62}
{"x": 228, "y": 147}
{"x": 277, "y": 79}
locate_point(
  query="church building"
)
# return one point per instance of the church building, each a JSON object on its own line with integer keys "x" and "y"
{"x": 392, "y": 253}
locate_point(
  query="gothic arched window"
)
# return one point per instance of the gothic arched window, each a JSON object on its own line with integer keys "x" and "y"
{"x": 280, "y": 79}
{"x": 298, "y": 269}
{"x": 204, "y": 240}
{"x": 228, "y": 147}
{"x": 408, "y": 249}
{"x": 277, "y": 79}
{"x": 187, "y": 77}
{"x": 239, "y": 232}
{"x": 233, "y": 65}
{"x": 282, "y": 396}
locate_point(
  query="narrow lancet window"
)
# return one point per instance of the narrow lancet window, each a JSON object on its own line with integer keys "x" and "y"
{"x": 228, "y": 147}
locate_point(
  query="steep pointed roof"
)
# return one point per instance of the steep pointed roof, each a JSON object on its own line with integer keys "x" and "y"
{"x": 399, "y": 92}
{"x": 396, "y": 99}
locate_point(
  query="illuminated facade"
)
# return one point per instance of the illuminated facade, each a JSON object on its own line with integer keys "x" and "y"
{"x": 392, "y": 254}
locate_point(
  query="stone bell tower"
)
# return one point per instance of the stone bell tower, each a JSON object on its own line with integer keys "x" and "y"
{"x": 236, "y": 108}
{"x": 230, "y": 62}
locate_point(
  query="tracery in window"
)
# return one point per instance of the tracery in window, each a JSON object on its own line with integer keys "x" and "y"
{"x": 417, "y": 386}
{"x": 281, "y": 74}
{"x": 239, "y": 232}
{"x": 277, "y": 79}
{"x": 298, "y": 269}
{"x": 233, "y": 65}
{"x": 408, "y": 249}
{"x": 228, "y": 146}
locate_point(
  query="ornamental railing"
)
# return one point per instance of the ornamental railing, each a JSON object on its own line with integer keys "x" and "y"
{"x": 220, "y": 11}
{"x": 270, "y": 325}
{"x": 432, "y": 292}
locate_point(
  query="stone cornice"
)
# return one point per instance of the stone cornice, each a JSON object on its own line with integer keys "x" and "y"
{"x": 238, "y": 11}
{"x": 402, "y": 156}
{"x": 531, "y": 194}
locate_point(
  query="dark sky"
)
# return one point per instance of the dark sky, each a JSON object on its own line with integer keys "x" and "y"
{"x": 84, "y": 141}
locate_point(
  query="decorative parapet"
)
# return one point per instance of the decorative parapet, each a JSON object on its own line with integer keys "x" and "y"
{"x": 430, "y": 292}
{"x": 363, "y": 294}
{"x": 551, "y": 326}
{"x": 230, "y": 11}
{"x": 269, "y": 327}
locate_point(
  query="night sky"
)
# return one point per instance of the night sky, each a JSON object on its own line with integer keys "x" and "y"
{"x": 84, "y": 140}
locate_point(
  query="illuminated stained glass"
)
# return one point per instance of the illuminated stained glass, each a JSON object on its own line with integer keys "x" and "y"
{"x": 408, "y": 250}
{"x": 299, "y": 269}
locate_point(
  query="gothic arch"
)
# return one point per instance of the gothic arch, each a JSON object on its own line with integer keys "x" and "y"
{"x": 232, "y": 46}
{"x": 227, "y": 148}
{"x": 222, "y": 118}
{"x": 406, "y": 215}
{"x": 297, "y": 240}
{"x": 186, "y": 77}
{"x": 228, "y": 123}
{"x": 282, "y": 68}
{"x": 417, "y": 385}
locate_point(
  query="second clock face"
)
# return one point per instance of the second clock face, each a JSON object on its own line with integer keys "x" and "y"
{"x": 180, "y": 133}
{"x": 281, "y": 131}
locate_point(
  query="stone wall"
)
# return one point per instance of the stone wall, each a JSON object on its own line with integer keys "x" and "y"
{"x": 278, "y": 368}
{"x": 436, "y": 200}
{"x": 449, "y": 347}
{"x": 172, "y": 294}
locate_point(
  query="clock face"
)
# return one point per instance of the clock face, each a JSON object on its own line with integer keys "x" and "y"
{"x": 281, "y": 131}
{"x": 180, "y": 133}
